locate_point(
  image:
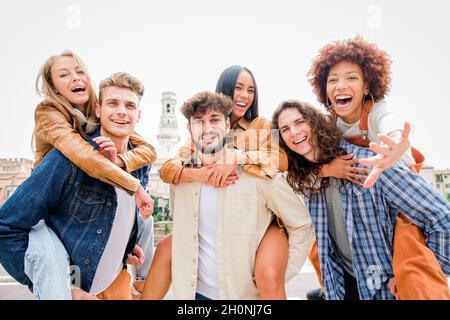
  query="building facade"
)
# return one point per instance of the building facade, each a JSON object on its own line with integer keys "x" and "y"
{"x": 12, "y": 173}
{"x": 168, "y": 143}
{"x": 439, "y": 179}
{"x": 443, "y": 182}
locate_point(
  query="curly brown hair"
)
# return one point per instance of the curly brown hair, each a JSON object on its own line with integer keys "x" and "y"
{"x": 375, "y": 64}
{"x": 301, "y": 173}
{"x": 204, "y": 101}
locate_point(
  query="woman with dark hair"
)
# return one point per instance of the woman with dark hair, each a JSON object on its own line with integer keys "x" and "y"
{"x": 351, "y": 78}
{"x": 227, "y": 85}
{"x": 250, "y": 134}
{"x": 259, "y": 155}
{"x": 354, "y": 226}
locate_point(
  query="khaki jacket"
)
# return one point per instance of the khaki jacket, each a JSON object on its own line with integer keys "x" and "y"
{"x": 254, "y": 138}
{"x": 245, "y": 213}
{"x": 56, "y": 127}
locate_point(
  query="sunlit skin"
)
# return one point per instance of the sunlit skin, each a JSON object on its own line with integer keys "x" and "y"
{"x": 244, "y": 94}
{"x": 296, "y": 133}
{"x": 208, "y": 131}
{"x": 70, "y": 81}
{"x": 118, "y": 115}
{"x": 345, "y": 89}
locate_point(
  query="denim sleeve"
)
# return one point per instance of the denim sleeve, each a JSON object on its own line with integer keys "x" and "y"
{"x": 30, "y": 203}
{"x": 145, "y": 175}
{"x": 427, "y": 209}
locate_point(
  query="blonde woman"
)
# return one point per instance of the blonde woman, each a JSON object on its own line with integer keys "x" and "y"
{"x": 62, "y": 120}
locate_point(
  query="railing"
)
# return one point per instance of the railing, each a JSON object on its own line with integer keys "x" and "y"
{"x": 161, "y": 229}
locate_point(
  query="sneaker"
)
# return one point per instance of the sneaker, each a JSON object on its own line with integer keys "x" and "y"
{"x": 315, "y": 294}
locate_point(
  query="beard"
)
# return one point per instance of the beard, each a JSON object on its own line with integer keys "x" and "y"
{"x": 211, "y": 149}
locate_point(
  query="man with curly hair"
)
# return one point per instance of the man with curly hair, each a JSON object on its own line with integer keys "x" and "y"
{"x": 354, "y": 226}
{"x": 351, "y": 78}
{"x": 217, "y": 231}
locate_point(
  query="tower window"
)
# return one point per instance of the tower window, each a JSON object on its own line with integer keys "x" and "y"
{"x": 168, "y": 108}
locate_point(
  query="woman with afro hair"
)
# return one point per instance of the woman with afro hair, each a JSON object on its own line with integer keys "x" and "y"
{"x": 351, "y": 78}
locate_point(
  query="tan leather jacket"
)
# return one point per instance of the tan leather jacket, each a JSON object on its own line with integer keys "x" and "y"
{"x": 56, "y": 127}
{"x": 254, "y": 138}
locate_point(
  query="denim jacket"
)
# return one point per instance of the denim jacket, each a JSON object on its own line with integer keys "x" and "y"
{"x": 78, "y": 208}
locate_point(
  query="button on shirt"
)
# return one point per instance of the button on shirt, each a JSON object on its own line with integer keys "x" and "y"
{"x": 244, "y": 213}
{"x": 111, "y": 264}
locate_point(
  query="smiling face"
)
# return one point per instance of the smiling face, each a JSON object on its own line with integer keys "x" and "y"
{"x": 70, "y": 81}
{"x": 296, "y": 133}
{"x": 119, "y": 112}
{"x": 208, "y": 130}
{"x": 244, "y": 94}
{"x": 345, "y": 89}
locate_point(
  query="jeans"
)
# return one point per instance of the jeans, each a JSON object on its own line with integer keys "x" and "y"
{"x": 47, "y": 264}
{"x": 146, "y": 242}
{"x": 351, "y": 287}
{"x": 201, "y": 297}
{"x": 47, "y": 261}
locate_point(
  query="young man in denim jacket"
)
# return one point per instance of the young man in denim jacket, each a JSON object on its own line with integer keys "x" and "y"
{"x": 96, "y": 223}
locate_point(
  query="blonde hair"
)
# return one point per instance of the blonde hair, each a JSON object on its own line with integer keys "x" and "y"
{"x": 121, "y": 80}
{"x": 46, "y": 88}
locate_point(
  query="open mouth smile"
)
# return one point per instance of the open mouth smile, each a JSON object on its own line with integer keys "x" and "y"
{"x": 241, "y": 104}
{"x": 121, "y": 122}
{"x": 78, "y": 88}
{"x": 208, "y": 138}
{"x": 343, "y": 101}
{"x": 300, "y": 141}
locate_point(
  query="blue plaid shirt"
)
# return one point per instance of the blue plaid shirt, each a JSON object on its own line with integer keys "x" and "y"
{"x": 370, "y": 216}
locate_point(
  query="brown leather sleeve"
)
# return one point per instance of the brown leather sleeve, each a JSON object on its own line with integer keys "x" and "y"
{"x": 171, "y": 169}
{"x": 53, "y": 127}
{"x": 265, "y": 156}
{"x": 142, "y": 154}
{"x": 268, "y": 160}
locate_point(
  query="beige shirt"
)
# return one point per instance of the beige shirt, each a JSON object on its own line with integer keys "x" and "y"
{"x": 245, "y": 212}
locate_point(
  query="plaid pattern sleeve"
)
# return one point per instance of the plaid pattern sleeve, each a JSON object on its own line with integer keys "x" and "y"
{"x": 413, "y": 196}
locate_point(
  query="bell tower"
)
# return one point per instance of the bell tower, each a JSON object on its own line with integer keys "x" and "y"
{"x": 168, "y": 137}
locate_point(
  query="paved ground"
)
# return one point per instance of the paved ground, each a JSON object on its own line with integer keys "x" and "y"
{"x": 296, "y": 288}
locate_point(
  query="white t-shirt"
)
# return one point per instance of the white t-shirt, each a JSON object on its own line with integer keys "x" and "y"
{"x": 381, "y": 120}
{"x": 111, "y": 264}
{"x": 207, "y": 277}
